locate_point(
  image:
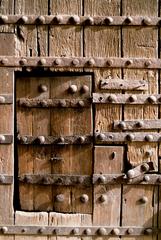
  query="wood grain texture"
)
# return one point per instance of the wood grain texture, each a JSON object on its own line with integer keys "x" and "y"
{"x": 7, "y": 7}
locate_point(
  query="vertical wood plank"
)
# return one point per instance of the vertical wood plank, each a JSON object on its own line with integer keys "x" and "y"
{"x": 6, "y": 8}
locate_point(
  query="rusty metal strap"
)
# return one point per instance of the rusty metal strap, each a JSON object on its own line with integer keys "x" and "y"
{"x": 76, "y": 103}
{"x": 6, "y": 139}
{"x": 85, "y": 139}
{"x": 145, "y": 179}
{"x": 137, "y": 124}
{"x": 80, "y": 20}
{"x": 56, "y": 179}
{"x": 6, "y": 98}
{"x": 11, "y": 61}
{"x": 78, "y": 231}
{"x": 127, "y": 137}
{"x": 127, "y": 98}
{"x": 6, "y": 179}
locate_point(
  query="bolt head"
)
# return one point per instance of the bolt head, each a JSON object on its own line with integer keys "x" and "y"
{"x": 87, "y": 231}
{"x": 85, "y": 89}
{"x": 131, "y": 173}
{"x": 112, "y": 98}
{"x": 81, "y": 139}
{"x": 146, "y": 178}
{"x": 146, "y": 21}
{"x": 58, "y": 19}
{"x": 62, "y": 103}
{"x": 73, "y": 88}
{"x": 41, "y": 230}
{"x": 149, "y": 138}
{"x": 148, "y": 231}
{"x": 147, "y": 63}
{"x": 128, "y": 20}
{"x": 145, "y": 167}
{"x": 75, "y": 231}
{"x": 130, "y": 230}
{"x": 101, "y": 136}
{"x": 41, "y": 139}
{"x": 122, "y": 125}
{"x": 89, "y": 20}
{"x": 4, "y": 18}
{"x": 144, "y": 200}
{"x": 130, "y": 137}
{"x": 91, "y": 62}
{"x": 24, "y": 19}
{"x": 40, "y": 19}
{"x": 132, "y": 98}
{"x": 129, "y": 62}
{"x": 59, "y": 198}
{"x": 152, "y": 99}
{"x": 115, "y": 231}
{"x": 23, "y": 61}
{"x": 42, "y": 61}
{"x": 139, "y": 124}
{"x": 57, "y": 62}
{"x": 108, "y": 20}
{"x": 4, "y": 229}
{"x": 61, "y": 140}
{"x": 2, "y": 138}
{"x": 43, "y": 88}
{"x": 102, "y": 179}
{"x": 75, "y": 62}
{"x": 103, "y": 198}
{"x": 75, "y": 19}
{"x": 2, "y": 99}
{"x": 81, "y": 103}
{"x": 102, "y": 231}
{"x": 84, "y": 198}
{"x": 4, "y": 61}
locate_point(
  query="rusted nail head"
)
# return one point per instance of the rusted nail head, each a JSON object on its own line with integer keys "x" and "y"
{"x": 102, "y": 231}
{"x": 146, "y": 178}
{"x": 108, "y": 20}
{"x": 84, "y": 198}
{"x": 128, "y": 20}
{"x": 122, "y": 125}
{"x": 115, "y": 231}
{"x": 130, "y": 137}
{"x": 2, "y": 138}
{"x": 146, "y": 21}
{"x": 59, "y": 198}
{"x": 40, "y": 19}
{"x": 87, "y": 231}
{"x": 102, "y": 179}
{"x": 4, "y": 229}
{"x": 89, "y": 20}
{"x": 62, "y": 103}
{"x": 2, "y": 99}
{"x": 130, "y": 230}
{"x": 75, "y": 19}
{"x": 24, "y": 19}
{"x": 144, "y": 200}
{"x": 152, "y": 99}
{"x": 41, "y": 139}
{"x": 103, "y": 198}
{"x": 57, "y": 61}
{"x": 84, "y": 89}
{"x": 42, "y": 88}
{"x": 133, "y": 98}
{"x": 91, "y": 62}
{"x": 73, "y": 88}
{"x": 75, "y": 231}
{"x": 130, "y": 173}
{"x": 42, "y": 61}
{"x": 149, "y": 138}
{"x": 75, "y": 62}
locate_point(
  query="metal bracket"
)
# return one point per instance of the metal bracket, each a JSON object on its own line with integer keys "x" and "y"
{"x": 140, "y": 170}
{"x": 46, "y": 103}
{"x": 78, "y": 231}
{"x": 56, "y": 179}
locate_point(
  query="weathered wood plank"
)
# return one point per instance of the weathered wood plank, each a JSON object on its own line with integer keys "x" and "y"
{"x": 7, "y": 7}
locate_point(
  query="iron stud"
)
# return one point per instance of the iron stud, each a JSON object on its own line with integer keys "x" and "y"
{"x": 139, "y": 124}
{"x": 41, "y": 230}
{"x": 84, "y": 198}
{"x": 128, "y": 20}
{"x": 146, "y": 178}
{"x": 42, "y": 88}
{"x": 102, "y": 179}
{"x": 44, "y": 103}
{"x": 149, "y": 138}
{"x": 149, "y": 153}
{"x": 62, "y": 103}
{"x": 132, "y": 98}
{"x": 101, "y": 136}
{"x": 57, "y": 62}
{"x": 24, "y": 230}
{"x": 41, "y": 139}
{"x": 4, "y": 18}
{"x": 75, "y": 231}
{"x": 59, "y": 198}
{"x": 80, "y": 180}
{"x": 129, "y": 62}
{"x": 2, "y": 179}
{"x": 152, "y": 99}
{"x": 23, "y": 61}
{"x": 42, "y": 61}
{"x": 75, "y": 19}
{"x": 113, "y": 155}
{"x": 159, "y": 179}
{"x": 91, "y": 62}
{"x": 40, "y": 20}
{"x": 73, "y": 88}
{"x": 81, "y": 103}
{"x": 103, "y": 198}
{"x": 4, "y": 61}
{"x": 84, "y": 89}
{"x": 2, "y": 138}
{"x": 130, "y": 137}
{"x": 4, "y": 229}
{"x": 109, "y": 62}
{"x": 75, "y": 62}
{"x": 81, "y": 139}
{"x": 2, "y": 99}
{"x": 112, "y": 98}
{"x": 147, "y": 21}
{"x": 61, "y": 140}
{"x": 144, "y": 200}
{"x": 122, "y": 125}
{"x": 108, "y": 20}
{"x": 130, "y": 230}
{"x": 148, "y": 231}
{"x": 102, "y": 231}
{"x": 58, "y": 19}
{"x": 89, "y": 20}
{"x": 131, "y": 173}
{"x": 147, "y": 63}
{"x": 24, "y": 19}
{"x": 87, "y": 231}
{"x": 145, "y": 167}
{"x": 115, "y": 231}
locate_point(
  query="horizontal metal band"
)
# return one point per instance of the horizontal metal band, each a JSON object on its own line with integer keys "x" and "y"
{"x": 6, "y": 139}
{"x": 78, "y": 231}
{"x": 56, "y": 179}
{"x": 6, "y": 179}
{"x": 11, "y": 61}
{"x": 85, "y": 139}
{"x": 124, "y": 84}
{"x": 109, "y": 137}
{"x": 145, "y": 179}
{"x": 26, "y": 102}
{"x": 137, "y": 124}
{"x": 126, "y": 98}
{"x": 6, "y": 98}
{"x": 80, "y": 20}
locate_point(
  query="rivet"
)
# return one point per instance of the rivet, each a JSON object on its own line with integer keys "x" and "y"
{"x": 45, "y": 180}
{"x": 75, "y": 62}
{"x": 148, "y": 231}
{"x": 108, "y": 20}
{"x": 112, "y": 98}
{"x": 109, "y": 62}
{"x": 40, "y": 19}
{"x": 75, "y": 231}
{"x": 130, "y": 173}
{"x": 152, "y": 99}
{"x": 132, "y": 98}
{"x": 2, "y": 138}
{"x": 130, "y": 137}
{"x": 23, "y": 61}
{"x": 58, "y": 19}
{"x": 91, "y": 62}
{"x": 24, "y": 19}
{"x": 61, "y": 140}
{"x": 24, "y": 230}
{"x": 102, "y": 231}
{"x": 146, "y": 21}
{"x": 128, "y": 20}
{"x": 122, "y": 125}
{"x": 81, "y": 103}
{"x": 101, "y": 136}
{"x": 115, "y": 231}
{"x": 2, "y": 99}
{"x": 113, "y": 155}
{"x": 145, "y": 167}
{"x": 84, "y": 89}
{"x": 87, "y": 231}
{"x": 103, "y": 198}
{"x": 4, "y": 229}
{"x": 62, "y": 103}
{"x": 57, "y": 61}
{"x": 73, "y": 88}
{"x": 159, "y": 179}
{"x": 139, "y": 124}
{"x": 59, "y": 198}
{"x": 144, "y": 199}
{"x": 4, "y": 18}
{"x": 149, "y": 153}
{"x": 84, "y": 198}
{"x": 42, "y": 61}
{"x": 102, "y": 179}
{"x": 149, "y": 138}
{"x": 2, "y": 179}
{"x": 129, "y": 62}
{"x": 81, "y": 139}
{"x": 41, "y": 139}
{"x": 4, "y": 61}
{"x": 41, "y": 230}
{"x": 89, "y": 20}
{"x": 75, "y": 19}
{"x": 28, "y": 179}
{"x": 146, "y": 178}
{"x": 147, "y": 63}
{"x": 80, "y": 180}
{"x": 130, "y": 230}
{"x": 44, "y": 103}
{"x": 42, "y": 88}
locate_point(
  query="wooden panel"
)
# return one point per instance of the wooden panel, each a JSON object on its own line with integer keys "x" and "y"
{"x": 7, "y": 7}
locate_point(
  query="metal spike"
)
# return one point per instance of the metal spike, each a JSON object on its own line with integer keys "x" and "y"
{"x": 4, "y": 18}
{"x": 147, "y": 63}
